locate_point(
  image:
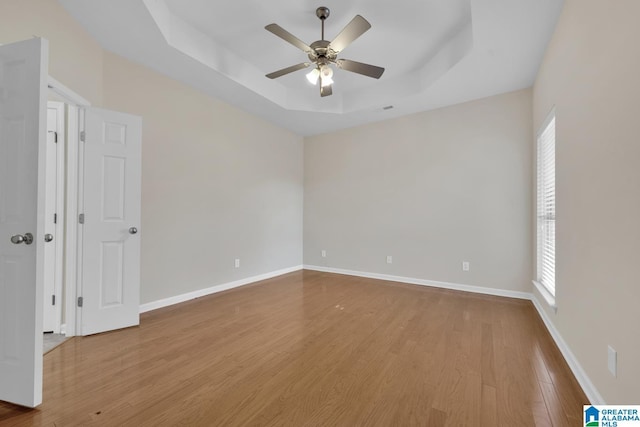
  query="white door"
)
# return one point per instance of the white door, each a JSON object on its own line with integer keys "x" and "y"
{"x": 53, "y": 219}
{"x": 23, "y": 86}
{"x": 110, "y": 234}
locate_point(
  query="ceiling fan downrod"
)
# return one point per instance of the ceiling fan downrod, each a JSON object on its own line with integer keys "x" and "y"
{"x": 323, "y": 13}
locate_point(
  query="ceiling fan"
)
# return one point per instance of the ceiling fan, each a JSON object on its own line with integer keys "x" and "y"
{"x": 323, "y": 53}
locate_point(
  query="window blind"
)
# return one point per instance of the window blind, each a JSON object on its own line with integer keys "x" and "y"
{"x": 547, "y": 206}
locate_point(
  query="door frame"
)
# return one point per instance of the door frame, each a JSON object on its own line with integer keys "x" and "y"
{"x": 59, "y": 211}
{"x": 74, "y": 104}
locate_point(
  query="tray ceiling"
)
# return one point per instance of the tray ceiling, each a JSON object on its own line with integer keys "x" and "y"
{"x": 435, "y": 52}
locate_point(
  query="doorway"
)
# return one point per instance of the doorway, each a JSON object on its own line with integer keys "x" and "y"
{"x": 91, "y": 259}
{"x": 94, "y": 207}
{"x": 53, "y": 325}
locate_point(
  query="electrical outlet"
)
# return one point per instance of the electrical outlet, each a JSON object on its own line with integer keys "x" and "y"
{"x": 465, "y": 265}
{"x": 237, "y": 262}
{"x": 612, "y": 361}
{"x": 389, "y": 259}
{"x": 324, "y": 253}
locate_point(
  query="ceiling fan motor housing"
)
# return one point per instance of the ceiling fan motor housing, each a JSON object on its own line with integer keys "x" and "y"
{"x": 320, "y": 50}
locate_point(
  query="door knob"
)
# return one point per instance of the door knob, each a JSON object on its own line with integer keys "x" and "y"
{"x": 48, "y": 237}
{"x": 27, "y": 239}
{"x": 133, "y": 230}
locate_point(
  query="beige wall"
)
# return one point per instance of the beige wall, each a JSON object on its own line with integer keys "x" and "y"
{"x": 591, "y": 74}
{"x": 217, "y": 183}
{"x": 75, "y": 58}
{"x": 432, "y": 189}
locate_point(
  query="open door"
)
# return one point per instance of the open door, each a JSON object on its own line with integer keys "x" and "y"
{"x": 23, "y": 89}
{"x": 110, "y": 214}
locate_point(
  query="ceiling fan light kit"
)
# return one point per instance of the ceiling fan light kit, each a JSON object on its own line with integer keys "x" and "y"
{"x": 323, "y": 53}
{"x": 326, "y": 81}
{"x": 313, "y": 76}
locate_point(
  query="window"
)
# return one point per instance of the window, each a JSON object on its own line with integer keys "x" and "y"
{"x": 546, "y": 211}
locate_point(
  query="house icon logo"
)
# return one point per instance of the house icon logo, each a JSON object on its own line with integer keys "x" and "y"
{"x": 591, "y": 417}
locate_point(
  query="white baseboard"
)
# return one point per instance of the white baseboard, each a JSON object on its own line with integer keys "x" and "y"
{"x": 595, "y": 398}
{"x": 214, "y": 289}
{"x": 422, "y": 282}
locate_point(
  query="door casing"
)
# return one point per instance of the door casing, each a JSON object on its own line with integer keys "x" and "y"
{"x": 54, "y": 256}
{"x": 74, "y": 105}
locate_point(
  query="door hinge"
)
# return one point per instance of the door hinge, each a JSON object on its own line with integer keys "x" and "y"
{"x": 80, "y": 301}
{"x": 53, "y": 300}
{"x": 55, "y": 218}
{"x": 81, "y": 218}
{"x": 82, "y": 136}
{"x": 55, "y": 136}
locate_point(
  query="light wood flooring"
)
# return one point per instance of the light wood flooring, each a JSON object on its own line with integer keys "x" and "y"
{"x": 315, "y": 349}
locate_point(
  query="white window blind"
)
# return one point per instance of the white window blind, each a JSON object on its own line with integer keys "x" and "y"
{"x": 547, "y": 205}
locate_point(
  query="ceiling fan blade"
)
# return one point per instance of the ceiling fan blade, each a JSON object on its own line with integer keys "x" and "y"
{"x": 325, "y": 90}
{"x": 288, "y": 37}
{"x": 288, "y": 70}
{"x": 354, "y": 29}
{"x": 360, "y": 68}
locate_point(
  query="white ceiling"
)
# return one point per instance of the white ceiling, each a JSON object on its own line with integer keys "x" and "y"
{"x": 435, "y": 52}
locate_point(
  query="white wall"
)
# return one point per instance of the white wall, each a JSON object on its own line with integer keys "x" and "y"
{"x": 217, "y": 183}
{"x": 431, "y": 189}
{"x": 591, "y": 74}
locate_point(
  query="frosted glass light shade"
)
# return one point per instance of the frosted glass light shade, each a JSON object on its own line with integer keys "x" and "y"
{"x": 313, "y": 75}
{"x": 326, "y": 81}
{"x": 326, "y": 71}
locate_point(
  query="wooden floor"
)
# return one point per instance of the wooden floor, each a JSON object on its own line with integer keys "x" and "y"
{"x": 315, "y": 349}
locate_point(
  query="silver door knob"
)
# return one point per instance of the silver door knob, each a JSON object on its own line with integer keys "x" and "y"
{"x": 133, "y": 230}
{"x": 27, "y": 239}
{"x": 48, "y": 237}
